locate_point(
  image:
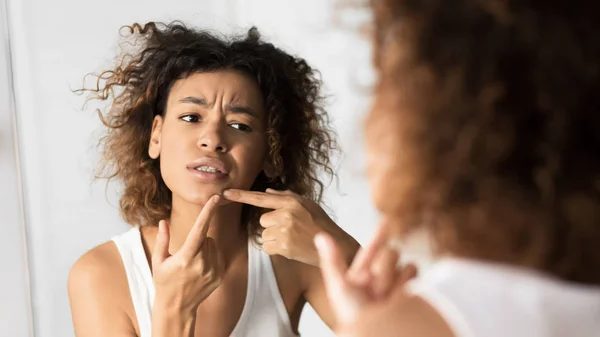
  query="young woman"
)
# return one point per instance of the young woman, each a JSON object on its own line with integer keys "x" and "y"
{"x": 218, "y": 143}
{"x": 485, "y": 133}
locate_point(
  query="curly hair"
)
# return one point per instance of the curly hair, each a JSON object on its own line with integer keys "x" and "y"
{"x": 300, "y": 140}
{"x": 495, "y": 108}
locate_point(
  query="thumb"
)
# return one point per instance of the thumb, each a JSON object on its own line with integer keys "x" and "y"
{"x": 161, "y": 245}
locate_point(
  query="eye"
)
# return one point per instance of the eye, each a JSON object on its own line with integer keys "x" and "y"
{"x": 190, "y": 118}
{"x": 241, "y": 127}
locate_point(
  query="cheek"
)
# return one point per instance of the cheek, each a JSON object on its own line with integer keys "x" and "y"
{"x": 168, "y": 141}
{"x": 173, "y": 141}
{"x": 173, "y": 160}
{"x": 249, "y": 157}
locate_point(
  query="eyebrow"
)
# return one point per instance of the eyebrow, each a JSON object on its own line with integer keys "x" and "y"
{"x": 230, "y": 107}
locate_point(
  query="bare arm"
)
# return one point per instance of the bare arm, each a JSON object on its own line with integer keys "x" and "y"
{"x": 315, "y": 292}
{"x": 170, "y": 321}
{"x": 316, "y": 295}
{"x": 97, "y": 293}
{"x": 403, "y": 315}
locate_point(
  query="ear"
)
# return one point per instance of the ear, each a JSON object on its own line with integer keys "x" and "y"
{"x": 154, "y": 146}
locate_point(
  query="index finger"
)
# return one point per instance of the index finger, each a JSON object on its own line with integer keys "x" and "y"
{"x": 259, "y": 199}
{"x": 367, "y": 254}
{"x": 199, "y": 230}
{"x": 333, "y": 267}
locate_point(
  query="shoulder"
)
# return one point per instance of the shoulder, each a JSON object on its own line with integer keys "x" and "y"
{"x": 98, "y": 271}
{"x": 402, "y": 315}
{"x": 99, "y": 294}
{"x": 99, "y": 262}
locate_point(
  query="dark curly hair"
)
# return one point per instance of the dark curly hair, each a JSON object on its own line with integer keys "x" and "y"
{"x": 299, "y": 138}
{"x": 495, "y": 107}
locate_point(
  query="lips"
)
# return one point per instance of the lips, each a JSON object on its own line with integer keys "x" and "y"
{"x": 209, "y": 165}
{"x": 208, "y": 170}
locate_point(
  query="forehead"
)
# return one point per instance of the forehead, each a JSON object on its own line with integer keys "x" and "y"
{"x": 230, "y": 85}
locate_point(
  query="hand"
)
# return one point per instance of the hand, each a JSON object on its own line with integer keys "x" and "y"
{"x": 290, "y": 229}
{"x": 370, "y": 279}
{"x": 183, "y": 280}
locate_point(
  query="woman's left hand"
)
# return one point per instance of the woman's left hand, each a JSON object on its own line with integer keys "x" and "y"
{"x": 290, "y": 229}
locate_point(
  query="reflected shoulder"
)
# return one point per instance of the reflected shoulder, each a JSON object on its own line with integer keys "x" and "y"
{"x": 99, "y": 268}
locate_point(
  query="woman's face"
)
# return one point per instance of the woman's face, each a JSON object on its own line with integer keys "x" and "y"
{"x": 212, "y": 136}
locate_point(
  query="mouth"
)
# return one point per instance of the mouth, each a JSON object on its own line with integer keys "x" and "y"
{"x": 208, "y": 169}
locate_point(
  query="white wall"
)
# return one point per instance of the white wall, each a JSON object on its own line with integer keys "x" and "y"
{"x": 15, "y": 312}
{"x": 56, "y": 42}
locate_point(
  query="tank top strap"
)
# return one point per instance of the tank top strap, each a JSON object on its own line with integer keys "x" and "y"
{"x": 139, "y": 277}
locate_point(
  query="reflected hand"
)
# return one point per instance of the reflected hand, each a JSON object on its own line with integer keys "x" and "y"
{"x": 290, "y": 229}
{"x": 183, "y": 280}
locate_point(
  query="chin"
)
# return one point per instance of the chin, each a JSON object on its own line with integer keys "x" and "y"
{"x": 201, "y": 197}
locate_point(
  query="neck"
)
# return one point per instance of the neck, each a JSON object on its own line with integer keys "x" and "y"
{"x": 225, "y": 228}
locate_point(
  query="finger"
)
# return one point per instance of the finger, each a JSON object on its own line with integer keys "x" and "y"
{"x": 161, "y": 244}
{"x": 384, "y": 271}
{"x": 258, "y": 199}
{"x": 333, "y": 267}
{"x": 279, "y": 192}
{"x": 270, "y": 247}
{"x": 269, "y": 219}
{"x": 199, "y": 230}
{"x": 408, "y": 273}
{"x": 270, "y": 234}
{"x": 360, "y": 266}
{"x": 360, "y": 277}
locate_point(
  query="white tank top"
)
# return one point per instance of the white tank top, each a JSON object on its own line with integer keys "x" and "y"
{"x": 264, "y": 312}
{"x": 479, "y": 299}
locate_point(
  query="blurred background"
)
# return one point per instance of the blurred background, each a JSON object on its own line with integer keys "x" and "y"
{"x": 52, "y": 210}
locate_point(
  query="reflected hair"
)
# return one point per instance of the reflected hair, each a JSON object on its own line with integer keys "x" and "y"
{"x": 300, "y": 140}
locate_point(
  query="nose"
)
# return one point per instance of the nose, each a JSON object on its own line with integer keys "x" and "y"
{"x": 212, "y": 137}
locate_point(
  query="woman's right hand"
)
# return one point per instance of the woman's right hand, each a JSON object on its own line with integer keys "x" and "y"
{"x": 183, "y": 280}
{"x": 370, "y": 279}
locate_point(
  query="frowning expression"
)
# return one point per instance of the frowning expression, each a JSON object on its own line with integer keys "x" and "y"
{"x": 211, "y": 136}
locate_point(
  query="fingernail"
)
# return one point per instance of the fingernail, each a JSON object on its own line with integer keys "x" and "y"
{"x": 227, "y": 193}
{"x": 269, "y": 190}
{"x": 216, "y": 199}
